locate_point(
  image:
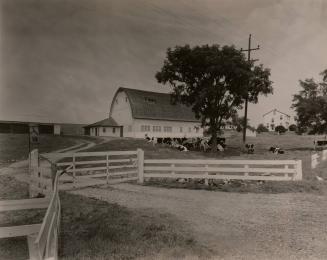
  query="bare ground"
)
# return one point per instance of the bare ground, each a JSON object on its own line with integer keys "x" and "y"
{"x": 234, "y": 225}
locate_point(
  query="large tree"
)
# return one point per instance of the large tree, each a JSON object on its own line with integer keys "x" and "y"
{"x": 310, "y": 104}
{"x": 214, "y": 81}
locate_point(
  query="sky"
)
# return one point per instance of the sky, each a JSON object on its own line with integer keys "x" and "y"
{"x": 63, "y": 60}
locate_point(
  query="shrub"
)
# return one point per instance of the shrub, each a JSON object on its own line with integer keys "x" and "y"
{"x": 292, "y": 128}
{"x": 261, "y": 128}
{"x": 280, "y": 129}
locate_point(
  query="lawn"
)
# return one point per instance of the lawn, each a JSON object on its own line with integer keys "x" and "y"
{"x": 94, "y": 229}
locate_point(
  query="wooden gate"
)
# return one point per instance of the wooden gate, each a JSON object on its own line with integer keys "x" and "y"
{"x": 96, "y": 168}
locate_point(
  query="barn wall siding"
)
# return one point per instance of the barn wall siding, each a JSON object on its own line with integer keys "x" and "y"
{"x": 137, "y": 126}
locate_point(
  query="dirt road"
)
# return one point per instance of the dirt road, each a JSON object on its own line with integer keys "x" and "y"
{"x": 235, "y": 225}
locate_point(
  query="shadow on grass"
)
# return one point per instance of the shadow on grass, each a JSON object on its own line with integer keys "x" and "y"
{"x": 96, "y": 229}
{"x": 272, "y": 187}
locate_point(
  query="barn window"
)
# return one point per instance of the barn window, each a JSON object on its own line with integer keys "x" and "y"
{"x": 281, "y": 117}
{"x": 150, "y": 100}
{"x": 129, "y": 128}
{"x": 197, "y": 129}
{"x": 190, "y": 129}
{"x": 126, "y": 99}
{"x": 145, "y": 128}
{"x": 272, "y": 120}
{"x": 181, "y": 129}
{"x": 168, "y": 129}
{"x": 113, "y": 130}
{"x": 156, "y": 128}
{"x": 104, "y": 129}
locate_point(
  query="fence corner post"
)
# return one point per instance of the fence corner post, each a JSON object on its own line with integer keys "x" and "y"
{"x": 298, "y": 167}
{"x": 53, "y": 174}
{"x": 140, "y": 165}
{"x": 32, "y": 248}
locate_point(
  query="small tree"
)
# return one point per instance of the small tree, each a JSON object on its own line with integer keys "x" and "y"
{"x": 292, "y": 128}
{"x": 280, "y": 129}
{"x": 310, "y": 104}
{"x": 213, "y": 81}
{"x": 261, "y": 128}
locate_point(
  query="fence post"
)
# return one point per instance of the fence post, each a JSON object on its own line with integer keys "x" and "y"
{"x": 314, "y": 160}
{"x": 107, "y": 163}
{"x": 298, "y": 168}
{"x": 140, "y": 165}
{"x": 286, "y": 168}
{"x": 32, "y": 248}
{"x": 34, "y": 168}
{"x": 246, "y": 167}
{"x": 74, "y": 173}
{"x": 206, "y": 180}
{"x": 324, "y": 155}
{"x": 53, "y": 174}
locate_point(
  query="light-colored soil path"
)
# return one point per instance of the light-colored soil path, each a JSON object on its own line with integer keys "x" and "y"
{"x": 236, "y": 225}
{"x": 20, "y": 167}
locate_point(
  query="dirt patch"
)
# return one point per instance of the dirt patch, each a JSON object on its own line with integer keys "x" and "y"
{"x": 233, "y": 225}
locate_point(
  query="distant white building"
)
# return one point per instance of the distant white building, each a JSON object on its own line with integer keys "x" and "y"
{"x": 275, "y": 118}
{"x": 136, "y": 113}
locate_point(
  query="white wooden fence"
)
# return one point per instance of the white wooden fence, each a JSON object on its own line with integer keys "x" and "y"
{"x": 317, "y": 158}
{"x": 273, "y": 170}
{"x": 42, "y": 238}
{"x": 105, "y": 167}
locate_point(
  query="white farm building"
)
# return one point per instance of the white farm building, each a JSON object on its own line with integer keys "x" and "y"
{"x": 275, "y": 118}
{"x": 137, "y": 113}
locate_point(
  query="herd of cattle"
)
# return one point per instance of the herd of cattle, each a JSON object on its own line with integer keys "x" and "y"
{"x": 189, "y": 144}
{"x": 202, "y": 144}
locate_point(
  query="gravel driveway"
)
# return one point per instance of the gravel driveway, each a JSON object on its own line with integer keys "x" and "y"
{"x": 235, "y": 225}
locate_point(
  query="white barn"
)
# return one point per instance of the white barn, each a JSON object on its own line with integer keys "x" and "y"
{"x": 275, "y": 118}
{"x": 138, "y": 113}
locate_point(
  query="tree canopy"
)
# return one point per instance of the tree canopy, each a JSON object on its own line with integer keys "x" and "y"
{"x": 214, "y": 81}
{"x": 310, "y": 104}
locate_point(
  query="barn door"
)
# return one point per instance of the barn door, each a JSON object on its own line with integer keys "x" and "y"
{"x": 121, "y": 131}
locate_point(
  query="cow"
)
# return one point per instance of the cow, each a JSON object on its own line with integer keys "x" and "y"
{"x": 250, "y": 148}
{"x": 276, "y": 150}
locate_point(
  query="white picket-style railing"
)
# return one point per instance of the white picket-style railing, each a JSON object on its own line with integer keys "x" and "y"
{"x": 274, "y": 170}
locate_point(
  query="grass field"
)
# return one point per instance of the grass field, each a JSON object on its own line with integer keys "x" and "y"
{"x": 99, "y": 230}
{"x": 296, "y": 148}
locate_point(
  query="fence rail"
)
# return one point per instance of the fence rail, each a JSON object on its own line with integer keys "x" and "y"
{"x": 224, "y": 169}
{"x": 42, "y": 238}
{"x": 105, "y": 165}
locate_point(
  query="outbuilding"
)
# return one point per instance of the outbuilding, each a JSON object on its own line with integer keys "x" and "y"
{"x": 106, "y": 127}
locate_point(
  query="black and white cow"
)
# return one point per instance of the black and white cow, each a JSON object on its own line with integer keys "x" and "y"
{"x": 276, "y": 150}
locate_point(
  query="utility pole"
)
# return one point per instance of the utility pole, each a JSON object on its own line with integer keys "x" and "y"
{"x": 246, "y": 98}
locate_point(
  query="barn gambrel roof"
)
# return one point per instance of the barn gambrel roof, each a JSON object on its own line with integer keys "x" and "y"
{"x": 156, "y": 106}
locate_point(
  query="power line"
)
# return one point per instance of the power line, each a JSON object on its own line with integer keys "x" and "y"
{"x": 247, "y": 94}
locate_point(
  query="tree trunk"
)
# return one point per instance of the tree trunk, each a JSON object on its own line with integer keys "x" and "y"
{"x": 214, "y": 140}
